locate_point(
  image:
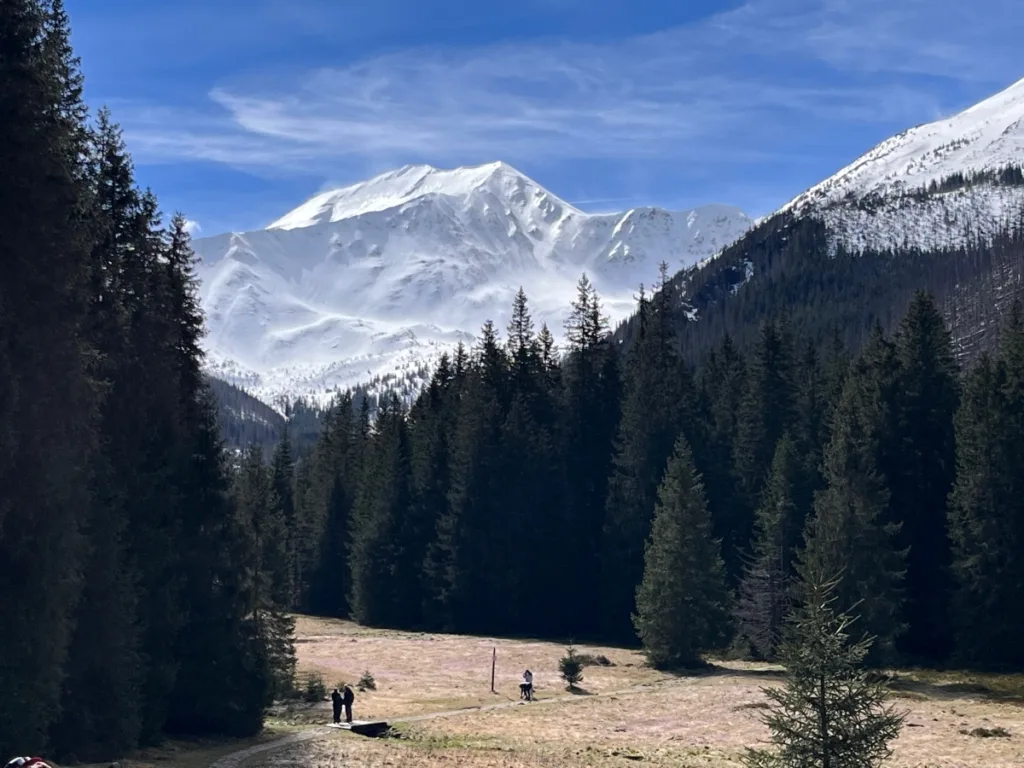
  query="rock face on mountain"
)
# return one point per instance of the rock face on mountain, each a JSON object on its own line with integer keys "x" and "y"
{"x": 377, "y": 279}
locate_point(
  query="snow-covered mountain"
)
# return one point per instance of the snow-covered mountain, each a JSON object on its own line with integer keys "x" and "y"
{"x": 877, "y": 200}
{"x": 381, "y": 277}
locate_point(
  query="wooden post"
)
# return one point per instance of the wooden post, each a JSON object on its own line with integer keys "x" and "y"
{"x": 494, "y": 661}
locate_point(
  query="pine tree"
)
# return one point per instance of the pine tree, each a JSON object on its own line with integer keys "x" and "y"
{"x": 848, "y": 532}
{"x": 682, "y": 602}
{"x": 659, "y": 404}
{"x": 47, "y": 399}
{"x": 922, "y": 471}
{"x": 987, "y": 506}
{"x": 283, "y": 470}
{"x": 590, "y": 417}
{"x": 107, "y": 637}
{"x": 379, "y": 534}
{"x": 768, "y": 410}
{"x": 259, "y": 514}
{"x": 764, "y": 593}
{"x": 474, "y": 560}
{"x": 223, "y": 681}
{"x": 722, "y": 386}
{"x": 534, "y": 515}
{"x": 829, "y": 714}
{"x": 331, "y": 476}
{"x": 430, "y": 437}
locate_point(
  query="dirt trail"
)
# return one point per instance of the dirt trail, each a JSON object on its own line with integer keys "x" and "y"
{"x": 236, "y": 759}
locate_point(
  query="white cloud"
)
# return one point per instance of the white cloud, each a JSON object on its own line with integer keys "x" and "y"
{"x": 192, "y": 227}
{"x": 726, "y": 89}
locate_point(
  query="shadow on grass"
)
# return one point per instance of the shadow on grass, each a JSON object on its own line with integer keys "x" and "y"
{"x": 1009, "y": 688}
{"x": 577, "y": 691}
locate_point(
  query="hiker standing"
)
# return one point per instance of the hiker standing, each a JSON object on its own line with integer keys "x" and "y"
{"x": 336, "y": 702}
{"x": 526, "y": 687}
{"x": 347, "y": 700}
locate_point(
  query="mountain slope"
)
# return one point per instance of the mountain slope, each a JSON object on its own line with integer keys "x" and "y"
{"x": 939, "y": 207}
{"x": 377, "y": 279}
{"x": 986, "y": 137}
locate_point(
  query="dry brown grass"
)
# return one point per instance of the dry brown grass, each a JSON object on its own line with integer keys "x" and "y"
{"x": 421, "y": 673}
{"x": 705, "y": 720}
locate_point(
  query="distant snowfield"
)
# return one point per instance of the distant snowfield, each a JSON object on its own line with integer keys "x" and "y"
{"x": 382, "y": 277}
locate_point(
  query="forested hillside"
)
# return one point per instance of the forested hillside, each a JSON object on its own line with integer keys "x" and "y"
{"x": 794, "y": 265}
{"x": 519, "y": 493}
{"x": 129, "y": 582}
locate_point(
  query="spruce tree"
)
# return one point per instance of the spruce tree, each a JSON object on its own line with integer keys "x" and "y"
{"x": 830, "y": 714}
{"x": 722, "y": 387}
{"x": 471, "y": 556}
{"x": 283, "y": 470}
{"x": 682, "y": 602}
{"x": 987, "y": 506}
{"x": 768, "y": 410}
{"x": 331, "y": 478}
{"x": 260, "y": 518}
{"x": 848, "y": 532}
{"x": 223, "y": 680}
{"x": 764, "y": 592}
{"x": 379, "y": 534}
{"x": 431, "y": 422}
{"x": 921, "y": 473}
{"x": 47, "y": 398}
{"x": 659, "y": 404}
{"x": 590, "y": 417}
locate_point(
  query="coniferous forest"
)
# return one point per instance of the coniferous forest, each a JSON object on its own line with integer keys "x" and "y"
{"x": 585, "y": 494}
{"x": 134, "y": 596}
{"x": 616, "y": 489}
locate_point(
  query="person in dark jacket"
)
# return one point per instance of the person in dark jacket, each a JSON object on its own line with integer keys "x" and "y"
{"x": 347, "y": 700}
{"x": 336, "y": 701}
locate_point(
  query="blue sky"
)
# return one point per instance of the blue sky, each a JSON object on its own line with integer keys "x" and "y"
{"x": 238, "y": 110}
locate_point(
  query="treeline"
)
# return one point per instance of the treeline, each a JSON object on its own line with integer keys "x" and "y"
{"x": 787, "y": 265}
{"x": 132, "y": 598}
{"x": 587, "y": 496}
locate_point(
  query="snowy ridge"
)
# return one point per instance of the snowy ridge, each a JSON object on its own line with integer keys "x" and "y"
{"x": 380, "y": 278}
{"x": 886, "y": 198}
{"x": 987, "y": 136}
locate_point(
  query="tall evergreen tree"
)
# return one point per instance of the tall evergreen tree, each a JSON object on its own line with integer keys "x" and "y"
{"x": 765, "y": 591}
{"x": 104, "y": 668}
{"x": 380, "y": 533}
{"x": 768, "y": 410}
{"x": 590, "y": 417}
{"x": 331, "y": 478}
{"x": 659, "y": 403}
{"x": 848, "y": 533}
{"x": 47, "y": 400}
{"x": 723, "y": 384}
{"x": 223, "y": 681}
{"x": 283, "y": 470}
{"x": 260, "y": 518}
{"x": 987, "y": 506}
{"x": 682, "y": 602}
{"x": 472, "y": 552}
{"x": 921, "y": 473}
{"x": 431, "y": 422}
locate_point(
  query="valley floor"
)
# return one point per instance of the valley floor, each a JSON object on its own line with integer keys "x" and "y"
{"x": 625, "y": 714}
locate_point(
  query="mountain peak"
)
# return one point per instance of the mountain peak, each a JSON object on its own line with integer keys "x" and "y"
{"x": 403, "y": 185}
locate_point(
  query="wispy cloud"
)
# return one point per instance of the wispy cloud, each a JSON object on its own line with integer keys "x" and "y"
{"x": 725, "y": 90}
